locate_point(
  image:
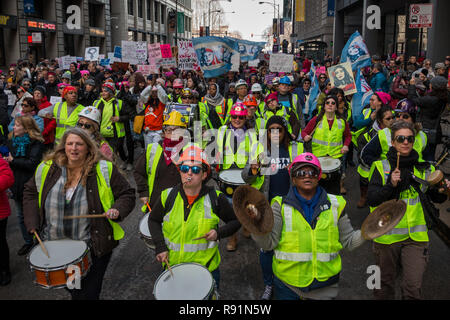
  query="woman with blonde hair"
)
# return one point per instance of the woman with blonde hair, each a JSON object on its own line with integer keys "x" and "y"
{"x": 76, "y": 176}
{"x": 25, "y": 152}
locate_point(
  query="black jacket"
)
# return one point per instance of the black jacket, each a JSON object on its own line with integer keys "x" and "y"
{"x": 24, "y": 167}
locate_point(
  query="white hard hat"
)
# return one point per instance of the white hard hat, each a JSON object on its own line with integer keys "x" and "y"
{"x": 241, "y": 82}
{"x": 256, "y": 87}
{"x": 276, "y": 80}
{"x": 92, "y": 113}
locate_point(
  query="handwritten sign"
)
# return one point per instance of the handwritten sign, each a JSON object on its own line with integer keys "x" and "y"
{"x": 91, "y": 53}
{"x": 66, "y": 61}
{"x": 146, "y": 69}
{"x": 129, "y": 52}
{"x": 187, "y": 58}
{"x": 281, "y": 62}
{"x": 166, "y": 52}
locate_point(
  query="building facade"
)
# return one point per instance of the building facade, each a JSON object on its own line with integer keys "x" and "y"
{"x": 151, "y": 20}
{"x": 39, "y": 29}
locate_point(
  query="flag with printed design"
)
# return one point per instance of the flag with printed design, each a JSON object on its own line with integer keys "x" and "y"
{"x": 360, "y": 99}
{"x": 314, "y": 92}
{"x": 356, "y": 52}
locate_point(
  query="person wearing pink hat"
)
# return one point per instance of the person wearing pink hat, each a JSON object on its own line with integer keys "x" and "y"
{"x": 178, "y": 86}
{"x": 235, "y": 142}
{"x": 378, "y": 99}
{"x": 310, "y": 229}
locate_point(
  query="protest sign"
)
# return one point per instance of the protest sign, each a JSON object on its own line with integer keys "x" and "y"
{"x": 129, "y": 52}
{"x": 118, "y": 52}
{"x": 116, "y": 66}
{"x": 187, "y": 58}
{"x": 66, "y": 61}
{"x": 54, "y": 100}
{"x": 91, "y": 53}
{"x": 166, "y": 63}
{"x": 341, "y": 76}
{"x": 253, "y": 63}
{"x": 235, "y": 62}
{"x": 281, "y": 62}
{"x": 146, "y": 69}
{"x": 105, "y": 62}
{"x": 166, "y": 52}
{"x": 141, "y": 51}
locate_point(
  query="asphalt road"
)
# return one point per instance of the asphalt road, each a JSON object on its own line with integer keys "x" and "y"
{"x": 133, "y": 270}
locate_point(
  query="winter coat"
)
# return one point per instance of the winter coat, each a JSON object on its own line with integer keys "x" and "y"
{"x": 6, "y": 181}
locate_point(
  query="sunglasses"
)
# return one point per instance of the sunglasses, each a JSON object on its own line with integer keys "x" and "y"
{"x": 25, "y": 105}
{"x": 333, "y": 103}
{"x": 303, "y": 173}
{"x": 403, "y": 116}
{"x": 84, "y": 125}
{"x": 195, "y": 169}
{"x": 401, "y": 139}
{"x": 238, "y": 117}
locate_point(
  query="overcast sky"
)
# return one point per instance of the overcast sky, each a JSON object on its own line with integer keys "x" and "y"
{"x": 249, "y": 17}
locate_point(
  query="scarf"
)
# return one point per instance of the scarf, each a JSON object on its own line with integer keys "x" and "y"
{"x": 308, "y": 206}
{"x": 217, "y": 100}
{"x": 169, "y": 147}
{"x": 20, "y": 144}
{"x": 406, "y": 166}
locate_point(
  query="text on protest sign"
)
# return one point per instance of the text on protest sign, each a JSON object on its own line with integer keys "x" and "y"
{"x": 281, "y": 62}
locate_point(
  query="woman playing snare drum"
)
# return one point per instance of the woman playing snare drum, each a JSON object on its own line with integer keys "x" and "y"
{"x": 330, "y": 136}
{"x": 69, "y": 182}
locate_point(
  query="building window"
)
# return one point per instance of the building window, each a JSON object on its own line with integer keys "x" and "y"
{"x": 156, "y": 11}
{"x": 149, "y": 10}
{"x": 140, "y": 9}
{"x": 95, "y": 14}
{"x": 163, "y": 14}
{"x": 130, "y": 7}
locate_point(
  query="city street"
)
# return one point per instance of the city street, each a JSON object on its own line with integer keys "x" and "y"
{"x": 132, "y": 272}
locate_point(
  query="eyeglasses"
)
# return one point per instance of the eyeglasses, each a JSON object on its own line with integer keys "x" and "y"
{"x": 303, "y": 173}
{"x": 25, "y": 105}
{"x": 401, "y": 139}
{"x": 195, "y": 169}
{"x": 84, "y": 125}
{"x": 403, "y": 116}
{"x": 238, "y": 117}
{"x": 333, "y": 103}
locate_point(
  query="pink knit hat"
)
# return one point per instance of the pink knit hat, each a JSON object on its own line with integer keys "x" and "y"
{"x": 384, "y": 97}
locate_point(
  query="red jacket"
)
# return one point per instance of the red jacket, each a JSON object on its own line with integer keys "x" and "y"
{"x": 6, "y": 181}
{"x": 49, "y": 124}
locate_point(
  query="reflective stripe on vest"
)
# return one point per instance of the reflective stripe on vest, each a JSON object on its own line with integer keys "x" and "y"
{"x": 64, "y": 122}
{"x": 304, "y": 254}
{"x": 103, "y": 172}
{"x": 179, "y": 234}
{"x": 110, "y": 108}
{"x": 226, "y": 149}
{"x": 152, "y": 157}
{"x": 413, "y": 224}
{"x": 328, "y": 142}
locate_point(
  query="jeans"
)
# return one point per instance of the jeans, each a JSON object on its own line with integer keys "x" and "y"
{"x": 282, "y": 292}
{"x": 216, "y": 276}
{"x": 28, "y": 238}
{"x": 265, "y": 260}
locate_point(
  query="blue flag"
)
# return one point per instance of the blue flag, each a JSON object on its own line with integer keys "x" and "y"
{"x": 356, "y": 52}
{"x": 314, "y": 92}
{"x": 214, "y": 54}
{"x": 360, "y": 100}
{"x": 249, "y": 50}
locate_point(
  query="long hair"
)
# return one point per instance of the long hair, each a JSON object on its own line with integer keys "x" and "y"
{"x": 322, "y": 110}
{"x": 30, "y": 126}
{"x": 59, "y": 155}
{"x": 347, "y": 79}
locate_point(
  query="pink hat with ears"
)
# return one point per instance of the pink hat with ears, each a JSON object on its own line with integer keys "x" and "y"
{"x": 83, "y": 72}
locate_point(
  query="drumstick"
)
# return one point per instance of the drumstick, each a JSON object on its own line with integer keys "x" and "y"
{"x": 168, "y": 267}
{"x": 398, "y": 159}
{"x": 442, "y": 159}
{"x": 85, "y": 216}
{"x": 202, "y": 237}
{"x": 42, "y": 245}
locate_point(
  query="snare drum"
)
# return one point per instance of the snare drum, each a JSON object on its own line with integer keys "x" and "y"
{"x": 145, "y": 232}
{"x": 190, "y": 281}
{"x": 51, "y": 272}
{"x": 229, "y": 180}
{"x": 330, "y": 167}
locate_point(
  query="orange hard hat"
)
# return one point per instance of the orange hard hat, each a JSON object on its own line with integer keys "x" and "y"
{"x": 194, "y": 153}
{"x": 250, "y": 100}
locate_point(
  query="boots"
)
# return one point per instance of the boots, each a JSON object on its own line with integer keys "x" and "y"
{"x": 343, "y": 190}
{"x": 363, "y": 198}
{"x": 232, "y": 242}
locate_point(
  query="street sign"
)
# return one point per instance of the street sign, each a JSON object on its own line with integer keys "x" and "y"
{"x": 420, "y": 16}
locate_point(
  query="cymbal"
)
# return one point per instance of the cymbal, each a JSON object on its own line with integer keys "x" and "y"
{"x": 253, "y": 210}
{"x": 383, "y": 219}
{"x": 435, "y": 177}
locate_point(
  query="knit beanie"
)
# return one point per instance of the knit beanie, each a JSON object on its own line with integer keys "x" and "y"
{"x": 439, "y": 83}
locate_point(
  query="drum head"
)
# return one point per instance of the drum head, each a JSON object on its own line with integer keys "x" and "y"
{"x": 232, "y": 176}
{"x": 329, "y": 164}
{"x": 61, "y": 252}
{"x": 190, "y": 281}
{"x": 143, "y": 226}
